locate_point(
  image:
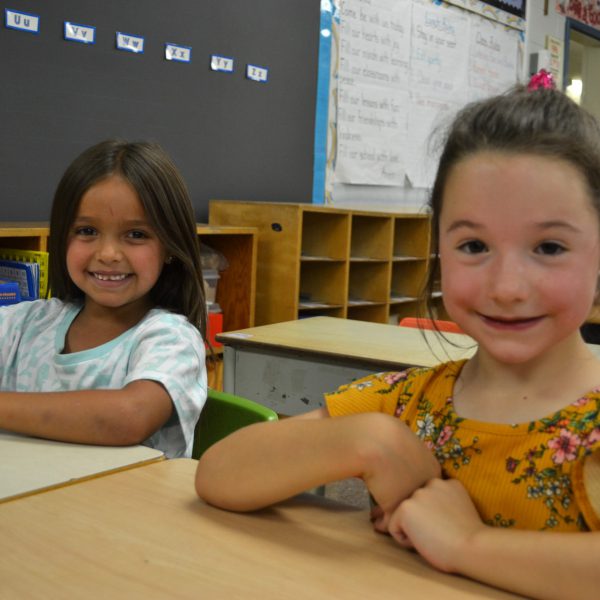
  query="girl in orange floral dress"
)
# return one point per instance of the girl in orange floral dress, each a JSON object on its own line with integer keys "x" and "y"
{"x": 476, "y": 464}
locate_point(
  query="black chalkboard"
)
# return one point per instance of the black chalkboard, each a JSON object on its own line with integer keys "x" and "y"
{"x": 230, "y": 136}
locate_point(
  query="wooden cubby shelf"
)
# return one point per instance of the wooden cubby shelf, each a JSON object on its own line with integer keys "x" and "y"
{"x": 312, "y": 260}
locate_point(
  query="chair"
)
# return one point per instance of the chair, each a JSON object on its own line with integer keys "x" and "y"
{"x": 420, "y": 323}
{"x": 223, "y": 414}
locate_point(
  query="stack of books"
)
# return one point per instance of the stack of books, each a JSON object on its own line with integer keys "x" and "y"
{"x": 23, "y": 275}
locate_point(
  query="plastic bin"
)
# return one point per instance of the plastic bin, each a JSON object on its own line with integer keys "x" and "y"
{"x": 215, "y": 326}
{"x": 211, "y": 280}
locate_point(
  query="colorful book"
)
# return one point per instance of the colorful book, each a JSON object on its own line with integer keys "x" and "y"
{"x": 30, "y": 256}
{"x": 9, "y": 292}
{"x": 27, "y": 275}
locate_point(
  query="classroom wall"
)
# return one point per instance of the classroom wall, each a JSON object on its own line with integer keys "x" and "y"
{"x": 538, "y": 26}
{"x": 231, "y": 137}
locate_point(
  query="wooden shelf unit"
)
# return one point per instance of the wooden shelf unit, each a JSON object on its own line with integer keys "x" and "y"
{"x": 236, "y": 286}
{"x": 315, "y": 260}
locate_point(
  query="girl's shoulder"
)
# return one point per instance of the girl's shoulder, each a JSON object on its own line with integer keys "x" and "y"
{"x": 37, "y": 311}
{"x": 165, "y": 338}
{"x": 163, "y": 317}
{"x": 164, "y": 326}
{"x": 385, "y": 391}
{"x": 414, "y": 378}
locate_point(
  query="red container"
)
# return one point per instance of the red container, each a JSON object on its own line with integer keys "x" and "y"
{"x": 215, "y": 326}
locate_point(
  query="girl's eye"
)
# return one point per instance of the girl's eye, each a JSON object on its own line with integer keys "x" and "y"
{"x": 550, "y": 248}
{"x": 85, "y": 231}
{"x": 137, "y": 235}
{"x": 473, "y": 247}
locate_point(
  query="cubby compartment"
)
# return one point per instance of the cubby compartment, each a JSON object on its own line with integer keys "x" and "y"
{"x": 370, "y": 238}
{"x": 329, "y": 311}
{"x": 408, "y": 279}
{"x": 24, "y": 236}
{"x": 405, "y": 309}
{"x": 369, "y": 283}
{"x": 411, "y": 237}
{"x": 376, "y": 313}
{"x": 324, "y": 236}
{"x": 322, "y": 285}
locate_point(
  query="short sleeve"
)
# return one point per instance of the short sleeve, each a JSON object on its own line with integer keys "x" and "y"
{"x": 586, "y": 489}
{"x": 170, "y": 350}
{"x": 11, "y": 325}
{"x": 374, "y": 393}
{"x": 27, "y": 345}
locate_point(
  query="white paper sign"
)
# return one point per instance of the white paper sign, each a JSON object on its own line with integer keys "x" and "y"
{"x": 405, "y": 68}
{"x": 439, "y": 52}
{"x": 130, "y": 43}
{"x": 83, "y": 34}
{"x": 373, "y": 91}
{"x": 178, "y": 53}
{"x": 221, "y": 63}
{"x": 493, "y": 58}
{"x": 256, "y": 73}
{"x": 427, "y": 113}
{"x": 22, "y": 21}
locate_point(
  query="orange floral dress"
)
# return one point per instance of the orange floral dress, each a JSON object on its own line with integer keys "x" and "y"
{"x": 517, "y": 475}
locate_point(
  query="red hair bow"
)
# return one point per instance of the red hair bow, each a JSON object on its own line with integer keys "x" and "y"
{"x": 541, "y": 80}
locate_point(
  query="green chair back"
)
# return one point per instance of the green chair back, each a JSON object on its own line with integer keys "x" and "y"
{"x": 223, "y": 414}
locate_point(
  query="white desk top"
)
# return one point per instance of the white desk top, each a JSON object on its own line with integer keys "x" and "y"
{"x": 143, "y": 533}
{"x": 29, "y": 465}
{"x": 346, "y": 338}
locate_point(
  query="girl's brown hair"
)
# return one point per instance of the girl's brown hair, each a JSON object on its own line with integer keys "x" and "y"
{"x": 164, "y": 196}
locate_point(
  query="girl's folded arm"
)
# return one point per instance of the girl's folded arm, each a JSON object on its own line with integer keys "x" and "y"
{"x": 119, "y": 417}
{"x": 441, "y": 522}
{"x": 264, "y": 463}
{"x": 537, "y": 564}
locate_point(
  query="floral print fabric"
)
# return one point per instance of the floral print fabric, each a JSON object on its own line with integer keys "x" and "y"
{"x": 517, "y": 475}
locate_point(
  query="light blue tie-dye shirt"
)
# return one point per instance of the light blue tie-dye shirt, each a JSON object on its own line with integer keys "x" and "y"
{"x": 162, "y": 347}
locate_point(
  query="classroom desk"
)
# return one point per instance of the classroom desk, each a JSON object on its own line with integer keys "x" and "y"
{"x": 143, "y": 533}
{"x": 30, "y": 465}
{"x": 287, "y": 366}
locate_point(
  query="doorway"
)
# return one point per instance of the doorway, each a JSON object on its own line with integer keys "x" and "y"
{"x": 582, "y": 65}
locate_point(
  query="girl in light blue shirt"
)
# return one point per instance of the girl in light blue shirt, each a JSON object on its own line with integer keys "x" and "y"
{"x": 117, "y": 356}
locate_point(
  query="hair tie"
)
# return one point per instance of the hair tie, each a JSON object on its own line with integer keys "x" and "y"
{"x": 541, "y": 80}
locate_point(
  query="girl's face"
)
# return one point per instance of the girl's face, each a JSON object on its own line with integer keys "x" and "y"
{"x": 519, "y": 252}
{"x": 113, "y": 255}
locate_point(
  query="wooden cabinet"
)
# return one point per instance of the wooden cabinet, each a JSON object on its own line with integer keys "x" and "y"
{"x": 236, "y": 286}
{"x": 315, "y": 260}
{"x": 24, "y": 235}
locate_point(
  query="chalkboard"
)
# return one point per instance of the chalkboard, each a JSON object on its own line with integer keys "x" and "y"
{"x": 230, "y": 136}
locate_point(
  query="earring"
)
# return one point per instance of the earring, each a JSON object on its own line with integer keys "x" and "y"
{"x": 168, "y": 260}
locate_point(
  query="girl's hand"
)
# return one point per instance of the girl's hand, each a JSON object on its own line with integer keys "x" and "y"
{"x": 395, "y": 464}
{"x": 438, "y": 520}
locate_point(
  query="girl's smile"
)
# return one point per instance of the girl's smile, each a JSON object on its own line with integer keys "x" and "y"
{"x": 512, "y": 323}
{"x": 111, "y": 277}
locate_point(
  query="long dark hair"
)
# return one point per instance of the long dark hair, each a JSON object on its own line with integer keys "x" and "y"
{"x": 164, "y": 196}
{"x": 544, "y": 122}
